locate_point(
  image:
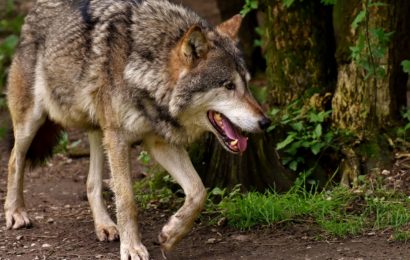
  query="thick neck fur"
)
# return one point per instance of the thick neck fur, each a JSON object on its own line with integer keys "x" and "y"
{"x": 157, "y": 27}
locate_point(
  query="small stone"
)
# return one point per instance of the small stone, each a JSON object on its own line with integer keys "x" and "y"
{"x": 67, "y": 206}
{"x": 40, "y": 217}
{"x": 211, "y": 241}
{"x": 222, "y": 221}
{"x": 18, "y": 238}
{"x": 46, "y": 245}
{"x": 241, "y": 238}
{"x": 33, "y": 244}
{"x": 50, "y": 220}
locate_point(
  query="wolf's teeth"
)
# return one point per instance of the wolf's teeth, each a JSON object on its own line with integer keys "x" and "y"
{"x": 235, "y": 142}
{"x": 218, "y": 117}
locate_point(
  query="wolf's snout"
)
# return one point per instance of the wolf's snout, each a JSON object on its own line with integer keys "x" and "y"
{"x": 264, "y": 123}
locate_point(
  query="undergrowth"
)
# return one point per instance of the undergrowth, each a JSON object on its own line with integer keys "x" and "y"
{"x": 157, "y": 188}
{"x": 339, "y": 212}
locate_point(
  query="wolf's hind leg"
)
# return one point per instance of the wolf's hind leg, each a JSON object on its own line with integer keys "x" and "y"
{"x": 105, "y": 228}
{"x": 14, "y": 207}
{"x": 27, "y": 116}
{"x": 177, "y": 162}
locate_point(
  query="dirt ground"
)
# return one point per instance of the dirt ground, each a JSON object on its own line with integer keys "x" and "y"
{"x": 63, "y": 228}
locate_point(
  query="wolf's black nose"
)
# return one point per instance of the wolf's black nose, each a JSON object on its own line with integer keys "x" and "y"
{"x": 265, "y": 123}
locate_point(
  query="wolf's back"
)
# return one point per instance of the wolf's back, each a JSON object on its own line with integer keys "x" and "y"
{"x": 64, "y": 26}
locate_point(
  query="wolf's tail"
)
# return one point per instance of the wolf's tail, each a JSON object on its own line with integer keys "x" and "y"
{"x": 43, "y": 143}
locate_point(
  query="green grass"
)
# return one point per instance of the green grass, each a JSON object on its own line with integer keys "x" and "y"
{"x": 401, "y": 236}
{"x": 339, "y": 212}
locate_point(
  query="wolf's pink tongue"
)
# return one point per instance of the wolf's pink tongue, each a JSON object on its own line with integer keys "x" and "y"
{"x": 233, "y": 134}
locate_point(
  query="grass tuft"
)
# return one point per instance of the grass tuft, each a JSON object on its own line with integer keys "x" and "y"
{"x": 340, "y": 212}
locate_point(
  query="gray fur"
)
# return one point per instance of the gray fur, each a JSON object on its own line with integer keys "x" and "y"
{"x": 78, "y": 39}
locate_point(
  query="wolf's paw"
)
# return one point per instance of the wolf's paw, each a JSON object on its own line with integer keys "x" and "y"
{"x": 17, "y": 218}
{"x": 172, "y": 232}
{"x": 134, "y": 252}
{"x": 107, "y": 232}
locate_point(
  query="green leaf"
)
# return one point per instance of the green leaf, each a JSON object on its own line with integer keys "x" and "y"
{"x": 293, "y": 165}
{"x": 288, "y": 3}
{"x": 293, "y": 148}
{"x": 320, "y": 117}
{"x": 217, "y": 191}
{"x": 377, "y": 4}
{"x": 286, "y": 160}
{"x": 328, "y": 2}
{"x": 274, "y": 111}
{"x": 318, "y": 131}
{"x": 271, "y": 128}
{"x": 298, "y": 126}
{"x": 329, "y": 137}
{"x": 406, "y": 66}
{"x": 249, "y": 6}
{"x": 382, "y": 36}
{"x": 406, "y": 115}
{"x": 257, "y": 43}
{"x": 144, "y": 157}
{"x": 306, "y": 144}
{"x": 316, "y": 148}
{"x": 259, "y": 31}
{"x": 289, "y": 139}
{"x": 359, "y": 18}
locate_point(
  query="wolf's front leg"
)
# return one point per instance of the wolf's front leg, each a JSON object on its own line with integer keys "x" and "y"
{"x": 118, "y": 151}
{"x": 177, "y": 162}
{"x": 105, "y": 228}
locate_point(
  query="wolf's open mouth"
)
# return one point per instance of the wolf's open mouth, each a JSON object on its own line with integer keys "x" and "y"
{"x": 228, "y": 132}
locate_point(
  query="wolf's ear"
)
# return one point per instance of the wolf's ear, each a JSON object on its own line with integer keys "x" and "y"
{"x": 194, "y": 45}
{"x": 231, "y": 27}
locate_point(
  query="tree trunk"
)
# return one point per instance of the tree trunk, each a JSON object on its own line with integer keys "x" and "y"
{"x": 300, "y": 49}
{"x": 365, "y": 100}
{"x": 258, "y": 168}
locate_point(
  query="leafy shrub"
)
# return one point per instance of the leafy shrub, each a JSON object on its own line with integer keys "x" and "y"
{"x": 307, "y": 130}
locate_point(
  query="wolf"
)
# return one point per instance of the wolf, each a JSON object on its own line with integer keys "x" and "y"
{"x": 126, "y": 71}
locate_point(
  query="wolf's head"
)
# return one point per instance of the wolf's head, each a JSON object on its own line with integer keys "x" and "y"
{"x": 211, "y": 91}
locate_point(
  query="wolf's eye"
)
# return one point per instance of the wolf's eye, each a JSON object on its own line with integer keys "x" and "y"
{"x": 230, "y": 85}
